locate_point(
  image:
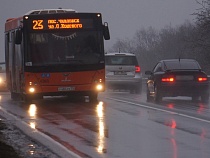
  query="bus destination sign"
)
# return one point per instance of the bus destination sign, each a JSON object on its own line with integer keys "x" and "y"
{"x": 68, "y": 23}
{"x": 64, "y": 24}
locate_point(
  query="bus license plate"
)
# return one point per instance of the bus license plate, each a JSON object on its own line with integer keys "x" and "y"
{"x": 66, "y": 88}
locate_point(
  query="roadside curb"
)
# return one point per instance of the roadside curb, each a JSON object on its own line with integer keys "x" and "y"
{"x": 39, "y": 136}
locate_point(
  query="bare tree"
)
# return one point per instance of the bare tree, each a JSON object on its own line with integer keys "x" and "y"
{"x": 203, "y": 23}
{"x": 151, "y": 45}
{"x": 125, "y": 45}
{"x": 146, "y": 40}
{"x": 185, "y": 41}
{"x": 202, "y": 41}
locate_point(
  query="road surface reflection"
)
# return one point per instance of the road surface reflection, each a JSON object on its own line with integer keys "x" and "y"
{"x": 32, "y": 111}
{"x": 77, "y": 119}
{"x": 101, "y": 137}
{"x": 125, "y": 126}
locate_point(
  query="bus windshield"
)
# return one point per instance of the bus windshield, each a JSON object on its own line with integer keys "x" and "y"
{"x": 55, "y": 48}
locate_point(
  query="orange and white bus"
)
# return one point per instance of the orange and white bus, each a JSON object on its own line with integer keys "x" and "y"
{"x": 55, "y": 52}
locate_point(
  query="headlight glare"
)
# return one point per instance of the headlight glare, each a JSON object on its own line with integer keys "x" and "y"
{"x": 31, "y": 89}
{"x": 99, "y": 87}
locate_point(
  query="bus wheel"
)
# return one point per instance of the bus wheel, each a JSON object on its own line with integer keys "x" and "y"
{"x": 27, "y": 98}
{"x": 39, "y": 97}
{"x": 93, "y": 97}
{"x": 15, "y": 96}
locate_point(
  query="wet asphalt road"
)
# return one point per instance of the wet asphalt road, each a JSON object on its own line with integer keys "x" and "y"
{"x": 120, "y": 125}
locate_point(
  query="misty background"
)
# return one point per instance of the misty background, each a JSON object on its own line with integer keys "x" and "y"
{"x": 152, "y": 29}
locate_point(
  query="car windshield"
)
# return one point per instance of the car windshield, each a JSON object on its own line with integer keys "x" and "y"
{"x": 120, "y": 60}
{"x": 182, "y": 64}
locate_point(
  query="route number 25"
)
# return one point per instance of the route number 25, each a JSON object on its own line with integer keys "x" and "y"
{"x": 38, "y": 24}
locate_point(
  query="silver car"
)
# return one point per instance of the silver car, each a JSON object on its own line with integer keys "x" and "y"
{"x": 123, "y": 72}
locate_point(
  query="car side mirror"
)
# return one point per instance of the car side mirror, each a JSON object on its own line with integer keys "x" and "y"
{"x": 148, "y": 72}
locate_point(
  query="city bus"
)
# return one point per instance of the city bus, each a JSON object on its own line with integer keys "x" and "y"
{"x": 55, "y": 52}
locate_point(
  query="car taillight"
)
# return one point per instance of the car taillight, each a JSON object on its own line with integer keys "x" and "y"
{"x": 167, "y": 79}
{"x": 202, "y": 79}
{"x": 138, "y": 69}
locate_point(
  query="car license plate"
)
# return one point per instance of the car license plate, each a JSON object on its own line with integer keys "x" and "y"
{"x": 66, "y": 88}
{"x": 120, "y": 73}
{"x": 184, "y": 77}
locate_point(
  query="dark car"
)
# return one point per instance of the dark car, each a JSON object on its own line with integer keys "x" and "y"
{"x": 177, "y": 77}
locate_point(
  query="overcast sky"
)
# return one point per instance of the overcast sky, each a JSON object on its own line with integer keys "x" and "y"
{"x": 125, "y": 17}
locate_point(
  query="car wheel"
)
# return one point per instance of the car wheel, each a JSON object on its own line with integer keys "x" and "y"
{"x": 195, "y": 98}
{"x": 138, "y": 90}
{"x": 149, "y": 97}
{"x": 158, "y": 96}
{"x": 132, "y": 90}
{"x": 205, "y": 97}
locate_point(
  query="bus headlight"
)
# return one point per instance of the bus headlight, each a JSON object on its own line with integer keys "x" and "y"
{"x": 99, "y": 87}
{"x": 31, "y": 89}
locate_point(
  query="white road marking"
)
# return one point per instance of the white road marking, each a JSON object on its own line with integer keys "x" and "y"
{"x": 162, "y": 110}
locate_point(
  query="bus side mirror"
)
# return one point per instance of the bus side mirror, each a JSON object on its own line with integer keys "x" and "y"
{"x": 106, "y": 31}
{"x": 18, "y": 36}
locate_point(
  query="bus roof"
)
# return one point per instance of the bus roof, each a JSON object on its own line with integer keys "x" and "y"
{"x": 50, "y": 11}
{"x": 12, "y": 23}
